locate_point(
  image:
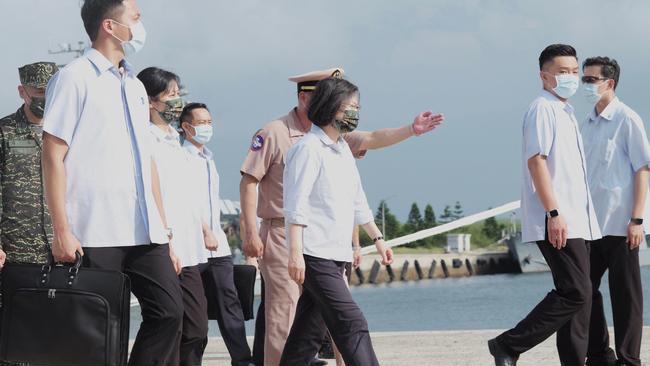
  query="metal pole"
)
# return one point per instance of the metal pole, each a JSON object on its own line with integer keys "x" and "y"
{"x": 383, "y": 220}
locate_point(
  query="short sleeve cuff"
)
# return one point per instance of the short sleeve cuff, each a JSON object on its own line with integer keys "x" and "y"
{"x": 643, "y": 164}
{"x": 363, "y": 217}
{"x": 48, "y": 128}
{"x": 252, "y": 172}
{"x": 537, "y": 150}
{"x": 296, "y": 218}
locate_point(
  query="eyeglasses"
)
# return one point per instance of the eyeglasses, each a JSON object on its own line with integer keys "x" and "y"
{"x": 353, "y": 106}
{"x": 197, "y": 122}
{"x": 592, "y": 79}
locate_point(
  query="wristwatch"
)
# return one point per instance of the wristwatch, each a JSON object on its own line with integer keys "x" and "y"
{"x": 636, "y": 221}
{"x": 552, "y": 213}
{"x": 169, "y": 233}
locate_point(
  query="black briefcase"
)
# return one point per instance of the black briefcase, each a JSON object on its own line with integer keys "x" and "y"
{"x": 244, "y": 278}
{"x": 244, "y": 275}
{"x": 64, "y": 315}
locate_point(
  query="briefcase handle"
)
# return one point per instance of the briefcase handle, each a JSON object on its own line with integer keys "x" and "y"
{"x": 72, "y": 272}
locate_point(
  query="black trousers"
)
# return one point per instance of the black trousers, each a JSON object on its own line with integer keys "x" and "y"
{"x": 327, "y": 340}
{"x": 564, "y": 310}
{"x": 260, "y": 330}
{"x": 230, "y": 315}
{"x": 155, "y": 283}
{"x": 613, "y": 253}
{"x": 327, "y": 299}
{"x": 194, "y": 335}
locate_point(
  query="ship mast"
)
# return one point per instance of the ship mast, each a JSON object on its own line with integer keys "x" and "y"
{"x": 65, "y": 48}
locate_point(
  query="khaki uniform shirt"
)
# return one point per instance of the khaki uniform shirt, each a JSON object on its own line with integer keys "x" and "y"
{"x": 266, "y": 157}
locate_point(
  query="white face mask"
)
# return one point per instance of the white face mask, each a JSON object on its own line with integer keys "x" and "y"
{"x": 591, "y": 93}
{"x": 138, "y": 38}
{"x": 202, "y": 133}
{"x": 567, "y": 85}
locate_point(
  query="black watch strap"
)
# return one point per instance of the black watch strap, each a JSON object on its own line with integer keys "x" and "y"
{"x": 636, "y": 221}
{"x": 553, "y": 213}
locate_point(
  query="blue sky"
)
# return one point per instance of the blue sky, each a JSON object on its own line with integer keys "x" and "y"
{"x": 475, "y": 61}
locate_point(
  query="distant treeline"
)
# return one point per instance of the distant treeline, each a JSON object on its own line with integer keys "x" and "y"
{"x": 483, "y": 233}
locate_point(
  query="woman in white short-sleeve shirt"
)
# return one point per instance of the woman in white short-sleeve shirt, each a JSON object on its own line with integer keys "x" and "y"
{"x": 323, "y": 200}
{"x": 182, "y": 205}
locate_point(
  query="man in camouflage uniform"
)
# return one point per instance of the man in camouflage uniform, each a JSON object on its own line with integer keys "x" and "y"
{"x": 25, "y": 227}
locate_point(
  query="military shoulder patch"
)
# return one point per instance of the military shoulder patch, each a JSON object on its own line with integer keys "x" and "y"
{"x": 258, "y": 141}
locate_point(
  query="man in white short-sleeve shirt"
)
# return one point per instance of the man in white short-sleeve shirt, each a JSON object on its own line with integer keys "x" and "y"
{"x": 196, "y": 123}
{"x": 101, "y": 183}
{"x": 558, "y": 214}
{"x": 618, "y": 154}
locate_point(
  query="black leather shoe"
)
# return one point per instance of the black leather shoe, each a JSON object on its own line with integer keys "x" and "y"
{"x": 606, "y": 359}
{"x": 326, "y": 350}
{"x": 501, "y": 357}
{"x": 317, "y": 362}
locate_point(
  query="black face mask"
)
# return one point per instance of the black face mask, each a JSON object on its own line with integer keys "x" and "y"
{"x": 37, "y": 106}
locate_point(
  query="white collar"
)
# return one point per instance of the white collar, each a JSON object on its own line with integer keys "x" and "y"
{"x": 326, "y": 139}
{"x": 160, "y": 134}
{"x": 607, "y": 113}
{"x": 192, "y": 149}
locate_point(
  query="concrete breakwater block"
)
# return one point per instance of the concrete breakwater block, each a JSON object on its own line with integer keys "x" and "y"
{"x": 404, "y": 272}
{"x": 415, "y": 267}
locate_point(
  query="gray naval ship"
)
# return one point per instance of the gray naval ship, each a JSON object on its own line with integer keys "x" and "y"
{"x": 530, "y": 259}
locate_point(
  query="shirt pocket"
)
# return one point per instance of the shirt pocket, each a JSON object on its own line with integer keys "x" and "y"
{"x": 22, "y": 147}
{"x": 609, "y": 150}
{"x": 615, "y": 172}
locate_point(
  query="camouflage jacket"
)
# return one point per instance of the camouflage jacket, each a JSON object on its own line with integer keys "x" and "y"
{"x": 25, "y": 227}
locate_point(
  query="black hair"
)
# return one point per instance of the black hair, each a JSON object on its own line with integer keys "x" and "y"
{"x": 608, "y": 67}
{"x": 186, "y": 114}
{"x": 93, "y": 12}
{"x": 556, "y": 50}
{"x": 157, "y": 80}
{"x": 327, "y": 98}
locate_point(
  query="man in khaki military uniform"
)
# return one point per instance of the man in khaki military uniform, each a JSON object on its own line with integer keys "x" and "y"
{"x": 25, "y": 227}
{"x": 262, "y": 172}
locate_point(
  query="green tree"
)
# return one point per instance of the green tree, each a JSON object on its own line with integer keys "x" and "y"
{"x": 492, "y": 229}
{"x": 413, "y": 224}
{"x": 429, "y": 222}
{"x": 364, "y": 239}
{"x": 415, "y": 218}
{"x": 429, "y": 217}
{"x": 447, "y": 215}
{"x": 393, "y": 226}
{"x": 457, "y": 213}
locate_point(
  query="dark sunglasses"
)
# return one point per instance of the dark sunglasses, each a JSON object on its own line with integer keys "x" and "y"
{"x": 592, "y": 79}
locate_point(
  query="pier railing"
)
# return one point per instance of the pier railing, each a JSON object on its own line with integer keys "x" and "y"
{"x": 467, "y": 220}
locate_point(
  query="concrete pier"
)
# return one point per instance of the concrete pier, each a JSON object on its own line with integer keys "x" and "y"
{"x": 435, "y": 266}
{"x": 447, "y": 348}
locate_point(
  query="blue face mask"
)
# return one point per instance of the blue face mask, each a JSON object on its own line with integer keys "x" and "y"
{"x": 591, "y": 93}
{"x": 567, "y": 85}
{"x": 202, "y": 134}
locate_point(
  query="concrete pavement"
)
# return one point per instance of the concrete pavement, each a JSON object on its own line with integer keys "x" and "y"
{"x": 439, "y": 348}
